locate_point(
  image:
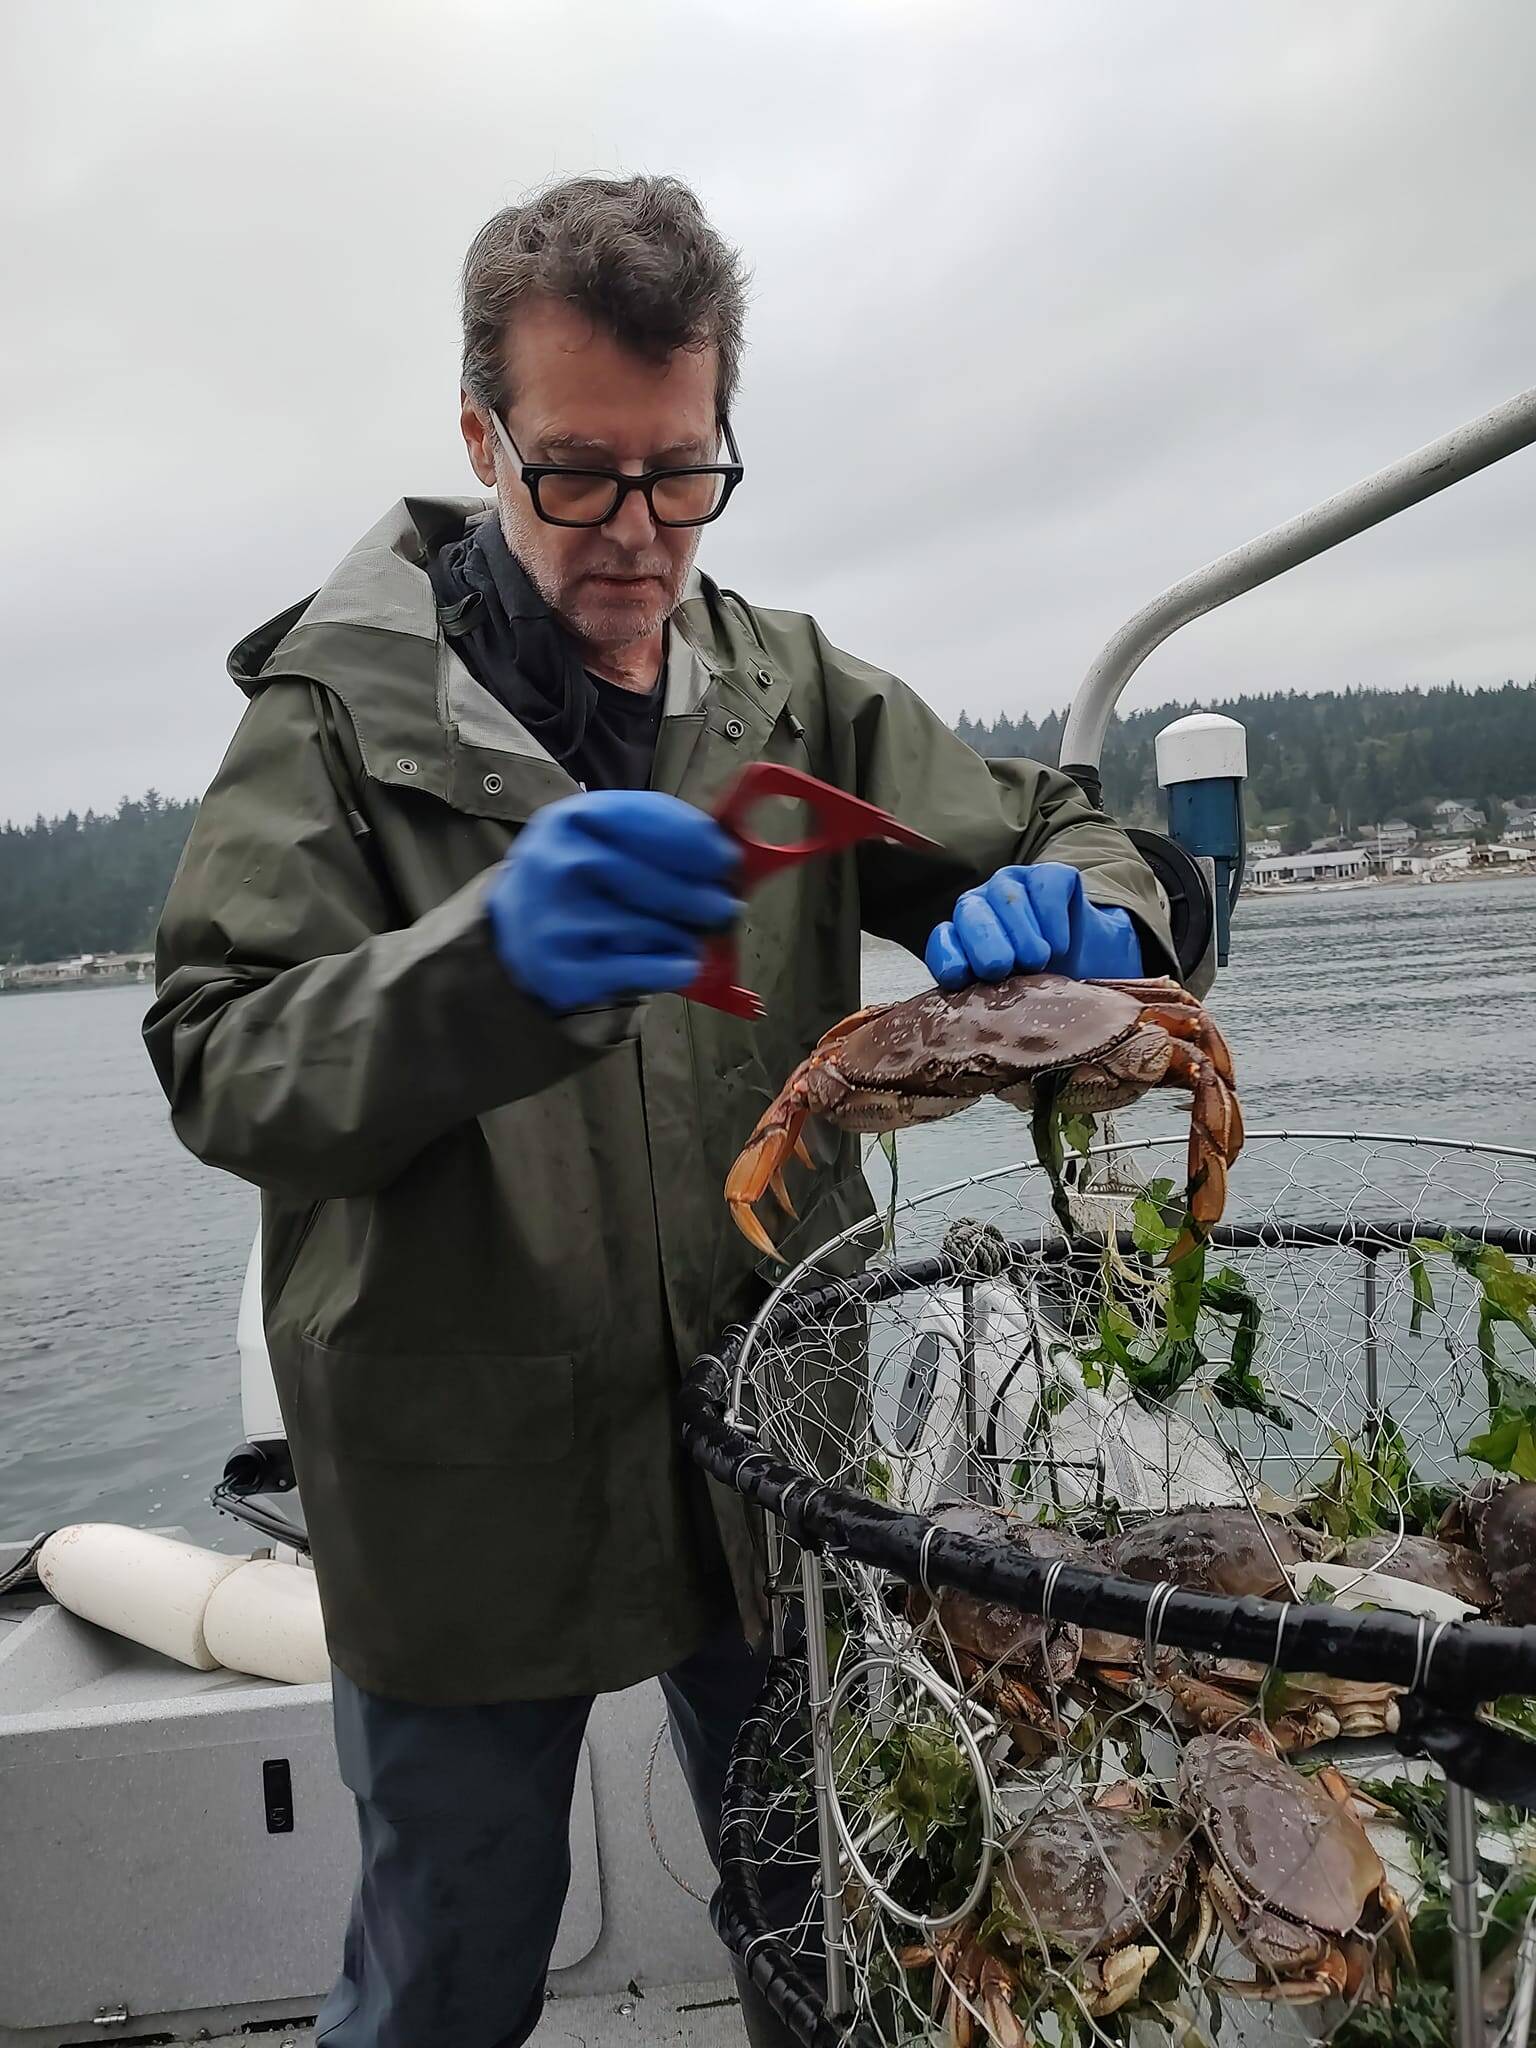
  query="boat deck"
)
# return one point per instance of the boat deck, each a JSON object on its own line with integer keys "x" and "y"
{"x": 679, "y": 2016}
{"x": 183, "y": 1854}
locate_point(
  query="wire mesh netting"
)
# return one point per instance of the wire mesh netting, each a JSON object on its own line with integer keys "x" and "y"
{"x": 1129, "y": 1619}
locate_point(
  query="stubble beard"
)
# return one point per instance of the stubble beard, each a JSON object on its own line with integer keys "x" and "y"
{"x": 608, "y": 627}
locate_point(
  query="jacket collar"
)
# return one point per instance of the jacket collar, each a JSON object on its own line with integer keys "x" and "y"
{"x": 370, "y": 635}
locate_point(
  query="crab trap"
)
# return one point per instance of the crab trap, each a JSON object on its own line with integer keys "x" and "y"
{"x": 1169, "y": 1630}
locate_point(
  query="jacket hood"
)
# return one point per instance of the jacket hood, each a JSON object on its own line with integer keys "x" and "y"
{"x": 380, "y": 583}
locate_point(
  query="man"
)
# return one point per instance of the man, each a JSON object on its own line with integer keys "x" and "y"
{"x": 418, "y": 982}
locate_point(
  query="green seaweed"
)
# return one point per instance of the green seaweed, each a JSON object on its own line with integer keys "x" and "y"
{"x": 1160, "y": 1354}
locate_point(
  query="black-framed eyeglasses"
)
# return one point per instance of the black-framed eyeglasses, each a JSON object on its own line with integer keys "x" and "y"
{"x": 564, "y": 496}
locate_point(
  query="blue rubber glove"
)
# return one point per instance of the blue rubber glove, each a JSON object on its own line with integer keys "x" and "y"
{"x": 1033, "y": 920}
{"x": 605, "y": 896}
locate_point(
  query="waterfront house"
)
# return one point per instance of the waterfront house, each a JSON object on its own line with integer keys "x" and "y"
{"x": 1455, "y": 818}
{"x": 1391, "y": 835}
{"x": 1499, "y": 855}
{"x": 119, "y": 967}
{"x": 82, "y": 970}
{"x": 1339, "y": 864}
{"x": 1384, "y": 843}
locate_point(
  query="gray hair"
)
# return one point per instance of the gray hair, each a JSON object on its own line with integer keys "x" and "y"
{"x": 637, "y": 255}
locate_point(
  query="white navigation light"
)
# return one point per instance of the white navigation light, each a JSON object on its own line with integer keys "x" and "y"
{"x": 1202, "y": 762}
{"x": 1205, "y": 747}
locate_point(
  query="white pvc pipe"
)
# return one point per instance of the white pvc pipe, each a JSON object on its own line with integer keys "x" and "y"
{"x": 265, "y": 1619}
{"x": 152, "y": 1589}
{"x": 257, "y": 1615}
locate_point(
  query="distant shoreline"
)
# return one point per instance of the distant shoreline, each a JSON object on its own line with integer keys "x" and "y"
{"x": 1276, "y": 892}
{"x": 1359, "y": 884}
{"x": 74, "y": 983}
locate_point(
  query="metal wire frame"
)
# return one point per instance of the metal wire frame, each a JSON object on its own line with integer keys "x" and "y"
{"x": 1446, "y": 1667}
{"x": 1476, "y": 1660}
{"x": 1111, "y": 1151}
{"x": 1325, "y": 1339}
{"x": 1443, "y": 1666}
{"x": 1461, "y": 1663}
{"x": 741, "y": 1917}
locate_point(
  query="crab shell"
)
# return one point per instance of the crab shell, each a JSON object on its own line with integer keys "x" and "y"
{"x": 1101, "y": 1892}
{"x": 1424, "y": 1561}
{"x": 1294, "y": 1875}
{"x": 1229, "y": 1551}
{"x": 910, "y": 1062}
{"x": 1090, "y": 1884}
{"x": 926, "y": 1056}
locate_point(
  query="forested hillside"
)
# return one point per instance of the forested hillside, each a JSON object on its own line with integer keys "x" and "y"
{"x": 89, "y": 885}
{"x": 1316, "y": 764}
{"x": 1324, "y": 763}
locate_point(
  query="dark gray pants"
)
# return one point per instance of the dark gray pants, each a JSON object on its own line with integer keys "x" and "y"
{"x": 464, "y": 1817}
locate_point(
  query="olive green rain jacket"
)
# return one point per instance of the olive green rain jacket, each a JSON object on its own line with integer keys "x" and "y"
{"x": 494, "y": 1241}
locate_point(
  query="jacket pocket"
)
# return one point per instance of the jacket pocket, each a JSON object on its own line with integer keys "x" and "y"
{"x": 417, "y": 1408}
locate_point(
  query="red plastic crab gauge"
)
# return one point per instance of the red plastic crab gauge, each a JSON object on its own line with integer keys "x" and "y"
{"x": 838, "y": 820}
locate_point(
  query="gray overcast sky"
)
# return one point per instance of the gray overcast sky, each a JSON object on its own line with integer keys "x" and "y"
{"x": 1052, "y": 302}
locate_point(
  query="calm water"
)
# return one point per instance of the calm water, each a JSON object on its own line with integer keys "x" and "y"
{"x": 1406, "y": 1009}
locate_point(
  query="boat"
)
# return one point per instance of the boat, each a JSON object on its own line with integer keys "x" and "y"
{"x": 180, "y": 1849}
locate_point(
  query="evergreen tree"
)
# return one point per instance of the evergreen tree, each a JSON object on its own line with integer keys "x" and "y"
{"x": 89, "y": 885}
{"x": 1345, "y": 758}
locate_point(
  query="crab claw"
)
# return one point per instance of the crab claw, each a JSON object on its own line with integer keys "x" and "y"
{"x": 995, "y": 1996}
{"x": 759, "y": 1168}
{"x": 1215, "y": 1139}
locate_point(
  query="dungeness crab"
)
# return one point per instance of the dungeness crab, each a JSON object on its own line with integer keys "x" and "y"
{"x": 1292, "y": 1873}
{"x": 1105, "y": 1042}
{"x": 1431, "y": 1561}
{"x": 1100, "y": 1892}
{"x": 1238, "y": 1553}
{"x": 1016, "y": 1662}
{"x": 1025, "y": 1669}
{"x": 1499, "y": 1517}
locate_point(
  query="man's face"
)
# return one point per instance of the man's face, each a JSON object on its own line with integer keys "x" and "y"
{"x": 580, "y": 398}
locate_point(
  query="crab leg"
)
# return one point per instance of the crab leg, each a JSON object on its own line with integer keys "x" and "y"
{"x": 759, "y": 1167}
{"x": 995, "y": 1991}
{"x": 1216, "y": 1121}
{"x": 1202, "y": 1063}
{"x": 760, "y": 1163}
{"x": 1328, "y": 1980}
{"x": 1215, "y": 1710}
{"x": 1189, "y": 1021}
